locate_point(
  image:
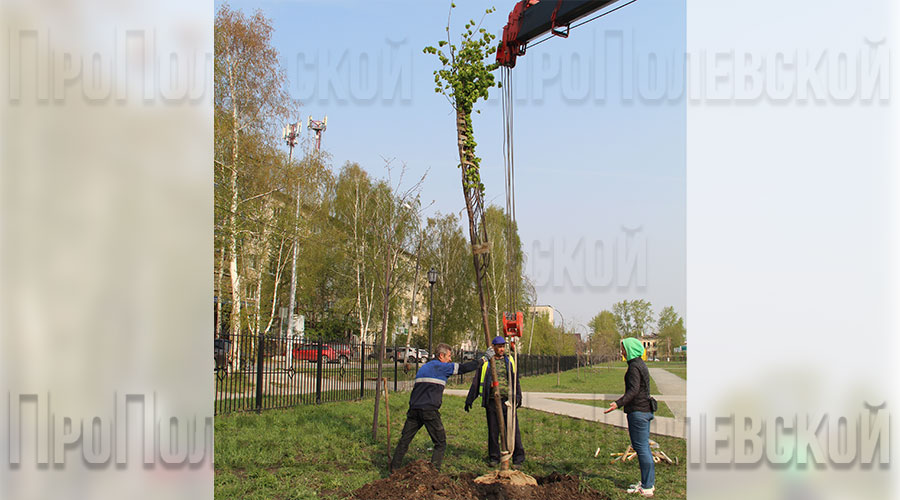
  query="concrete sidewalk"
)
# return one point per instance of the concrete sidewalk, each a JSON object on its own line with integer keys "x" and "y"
{"x": 670, "y": 384}
{"x": 547, "y": 402}
{"x": 672, "y": 388}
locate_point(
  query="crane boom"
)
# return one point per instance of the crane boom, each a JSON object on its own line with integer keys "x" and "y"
{"x": 530, "y": 19}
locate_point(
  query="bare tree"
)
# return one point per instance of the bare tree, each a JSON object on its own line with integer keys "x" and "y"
{"x": 394, "y": 229}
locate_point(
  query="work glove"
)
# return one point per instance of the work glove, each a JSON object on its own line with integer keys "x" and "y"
{"x": 468, "y": 406}
{"x": 488, "y": 354}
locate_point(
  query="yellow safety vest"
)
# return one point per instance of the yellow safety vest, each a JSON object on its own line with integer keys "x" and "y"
{"x": 484, "y": 366}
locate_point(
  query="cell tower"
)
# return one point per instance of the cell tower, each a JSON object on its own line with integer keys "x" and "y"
{"x": 318, "y": 127}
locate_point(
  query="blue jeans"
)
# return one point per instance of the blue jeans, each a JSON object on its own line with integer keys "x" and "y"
{"x": 639, "y": 432}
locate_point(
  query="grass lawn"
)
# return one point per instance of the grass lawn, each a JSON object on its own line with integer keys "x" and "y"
{"x": 681, "y": 372}
{"x": 326, "y": 451}
{"x": 662, "y": 411}
{"x": 589, "y": 380}
{"x": 651, "y": 364}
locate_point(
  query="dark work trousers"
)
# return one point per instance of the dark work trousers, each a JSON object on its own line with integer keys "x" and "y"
{"x": 415, "y": 419}
{"x": 494, "y": 435}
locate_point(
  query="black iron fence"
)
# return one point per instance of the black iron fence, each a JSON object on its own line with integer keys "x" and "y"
{"x": 288, "y": 372}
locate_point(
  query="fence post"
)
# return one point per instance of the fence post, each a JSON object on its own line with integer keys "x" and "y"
{"x": 319, "y": 371}
{"x": 259, "y": 372}
{"x": 362, "y": 369}
{"x": 395, "y": 366}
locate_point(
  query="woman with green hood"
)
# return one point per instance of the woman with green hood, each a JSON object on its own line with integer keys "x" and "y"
{"x": 638, "y": 407}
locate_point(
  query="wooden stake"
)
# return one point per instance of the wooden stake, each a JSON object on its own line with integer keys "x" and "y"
{"x": 387, "y": 416}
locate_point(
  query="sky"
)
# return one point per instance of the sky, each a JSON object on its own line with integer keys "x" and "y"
{"x": 599, "y": 133}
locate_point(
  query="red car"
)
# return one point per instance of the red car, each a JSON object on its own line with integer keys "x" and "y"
{"x": 308, "y": 352}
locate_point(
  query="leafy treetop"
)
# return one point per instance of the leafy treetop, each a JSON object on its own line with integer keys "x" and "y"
{"x": 465, "y": 76}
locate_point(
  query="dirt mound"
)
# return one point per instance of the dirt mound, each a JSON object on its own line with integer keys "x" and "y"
{"x": 417, "y": 481}
{"x": 421, "y": 481}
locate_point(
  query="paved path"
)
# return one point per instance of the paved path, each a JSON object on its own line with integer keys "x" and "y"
{"x": 672, "y": 392}
{"x": 671, "y": 384}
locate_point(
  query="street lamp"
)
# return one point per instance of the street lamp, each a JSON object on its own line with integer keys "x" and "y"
{"x": 559, "y": 341}
{"x": 432, "y": 279}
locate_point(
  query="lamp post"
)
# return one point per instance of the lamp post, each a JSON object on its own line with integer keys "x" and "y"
{"x": 432, "y": 279}
{"x": 559, "y": 341}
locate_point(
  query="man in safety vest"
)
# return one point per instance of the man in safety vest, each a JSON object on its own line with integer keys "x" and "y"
{"x": 481, "y": 383}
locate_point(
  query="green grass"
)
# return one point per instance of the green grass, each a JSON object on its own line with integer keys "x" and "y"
{"x": 681, "y": 372}
{"x": 326, "y": 451}
{"x": 589, "y": 380}
{"x": 651, "y": 364}
{"x": 662, "y": 411}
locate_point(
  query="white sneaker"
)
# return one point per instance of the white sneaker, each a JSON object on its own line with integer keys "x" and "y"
{"x": 645, "y": 492}
{"x": 633, "y": 488}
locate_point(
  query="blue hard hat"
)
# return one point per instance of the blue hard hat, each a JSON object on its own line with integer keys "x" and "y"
{"x": 498, "y": 340}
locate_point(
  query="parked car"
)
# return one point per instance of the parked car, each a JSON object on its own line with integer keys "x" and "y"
{"x": 412, "y": 355}
{"x": 309, "y": 352}
{"x": 388, "y": 353}
{"x": 344, "y": 352}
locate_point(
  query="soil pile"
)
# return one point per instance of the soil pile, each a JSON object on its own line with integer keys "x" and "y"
{"x": 421, "y": 481}
{"x": 417, "y": 481}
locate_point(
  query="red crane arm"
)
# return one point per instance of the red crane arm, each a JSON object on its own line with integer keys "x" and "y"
{"x": 530, "y": 19}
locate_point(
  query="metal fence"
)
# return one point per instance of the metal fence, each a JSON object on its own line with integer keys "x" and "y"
{"x": 287, "y": 372}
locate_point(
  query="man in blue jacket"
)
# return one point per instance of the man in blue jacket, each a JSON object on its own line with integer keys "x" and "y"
{"x": 482, "y": 382}
{"x": 425, "y": 403}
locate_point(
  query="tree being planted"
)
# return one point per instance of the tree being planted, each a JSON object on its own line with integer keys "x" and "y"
{"x": 465, "y": 78}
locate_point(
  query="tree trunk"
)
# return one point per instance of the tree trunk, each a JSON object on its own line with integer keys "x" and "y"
{"x": 480, "y": 256}
{"x": 278, "y": 268}
{"x": 263, "y": 265}
{"x": 232, "y": 232}
{"x": 381, "y": 344}
{"x": 296, "y": 236}
{"x": 219, "y": 276}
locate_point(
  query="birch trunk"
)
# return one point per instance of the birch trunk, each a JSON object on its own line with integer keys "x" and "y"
{"x": 232, "y": 232}
{"x": 278, "y": 268}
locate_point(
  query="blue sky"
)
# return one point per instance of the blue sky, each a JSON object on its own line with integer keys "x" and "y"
{"x": 599, "y": 132}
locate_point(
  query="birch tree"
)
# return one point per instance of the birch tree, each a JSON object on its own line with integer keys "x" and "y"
{"x": 249, "y": 97}
{"x": 355, "y": 208}
{"x": 394, "y": 229}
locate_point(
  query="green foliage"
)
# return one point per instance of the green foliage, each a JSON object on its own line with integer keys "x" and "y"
{"x": 250, "y": 96}
{"x": 671, "y": 329}
{"x": 544, "y": 338}
{"x": 604, "y": 336}
{"x": 465, "y": 76}
{"x": 455, "y": 309}
{"x": 633, "y": 317}
{"x": 501, "y": 268}
{"x": 330, "y": 329}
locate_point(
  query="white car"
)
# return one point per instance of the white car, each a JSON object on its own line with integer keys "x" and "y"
{"x": 412, "y": 355}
